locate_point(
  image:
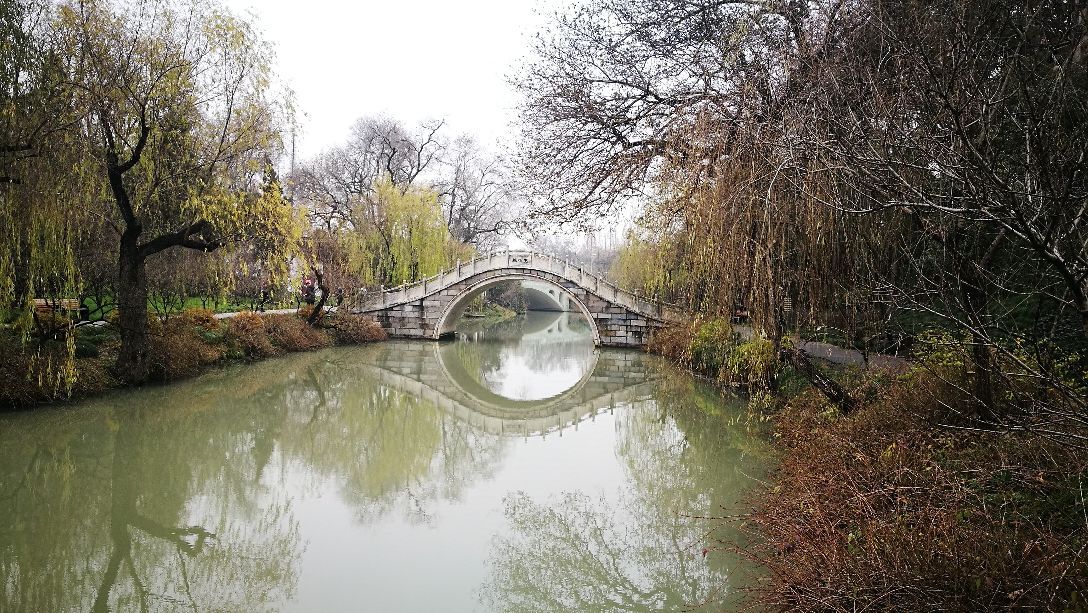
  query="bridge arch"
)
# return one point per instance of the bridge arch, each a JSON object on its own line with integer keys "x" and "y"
{"x": 544, "y": 297}
{"x": 451, "y": 314}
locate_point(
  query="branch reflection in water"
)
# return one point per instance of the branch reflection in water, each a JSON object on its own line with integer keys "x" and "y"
{"x": 639, "y": 547}
{"x": 321, "y": 481}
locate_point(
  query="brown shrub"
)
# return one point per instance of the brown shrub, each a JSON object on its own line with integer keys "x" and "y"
{"x": 884, "y": 510}
{"x": 174, "y": 356}
{"x": 199, "y": 318}
{"x": 354, "y": 329}
{"x": 674, "y": 342}
{"x": 93, "y": 377}
{"x": 247, "y": 331}
{"x": 20, "y": 384}
{"x": 154, "y": 321}
{"x": 304, "y": 311}
{"x": 291, "y": 333}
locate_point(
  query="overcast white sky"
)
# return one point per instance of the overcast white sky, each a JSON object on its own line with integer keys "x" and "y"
{"x": 409, "y": 59}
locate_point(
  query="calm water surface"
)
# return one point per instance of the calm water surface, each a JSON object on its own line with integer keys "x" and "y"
{"x": 517, "y": 468}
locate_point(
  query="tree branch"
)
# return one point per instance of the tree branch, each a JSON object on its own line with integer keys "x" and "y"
{"x": 195, "y": 236}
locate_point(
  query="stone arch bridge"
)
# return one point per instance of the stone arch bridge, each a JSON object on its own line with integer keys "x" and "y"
{"x": 432, "y": 308}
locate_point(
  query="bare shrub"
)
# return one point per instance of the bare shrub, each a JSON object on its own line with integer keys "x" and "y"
{"x": 674, "y": 342}
{"x": 304, "y": 311}
{"x": 200, "y": 318}
{"x": 882, "y": 510}
{"x": 177, "y": 355}
{"x": 247, "y": 331}
{"x": 291, "y": 333}
{"x": 354, "y": 329}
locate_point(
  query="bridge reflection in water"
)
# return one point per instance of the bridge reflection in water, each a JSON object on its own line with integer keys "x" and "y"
{"x": 349, "y": 478}
{"x": 493, "y": 380}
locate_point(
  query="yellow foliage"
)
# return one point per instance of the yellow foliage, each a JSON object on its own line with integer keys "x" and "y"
{"x": 408, "y": 242}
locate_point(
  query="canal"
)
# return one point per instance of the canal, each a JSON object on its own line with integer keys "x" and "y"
{"x": 516, "y": 468}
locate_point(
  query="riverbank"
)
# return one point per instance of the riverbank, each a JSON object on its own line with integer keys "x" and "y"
{"x": 182, "y": 346}
{"x": 900, "y": 504}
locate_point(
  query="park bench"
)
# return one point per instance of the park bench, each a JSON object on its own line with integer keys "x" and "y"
{"x": 45, "y": 305}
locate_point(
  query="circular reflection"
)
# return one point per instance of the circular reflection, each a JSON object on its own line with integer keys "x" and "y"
{"x": 534, "y": 356}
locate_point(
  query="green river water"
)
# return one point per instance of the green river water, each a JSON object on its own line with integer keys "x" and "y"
{"x": 516, "y": 468}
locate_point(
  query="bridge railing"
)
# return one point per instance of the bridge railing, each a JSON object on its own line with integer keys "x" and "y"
{"x": 383, "y": 297}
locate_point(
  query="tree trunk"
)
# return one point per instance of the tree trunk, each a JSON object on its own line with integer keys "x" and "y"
{"x": 319, "y": 309}
{"x": 133, "y": 360}
{"x": 983, "y": 381}
{"x": 21, "y": 270}
{"x": 828, "y": 386}
{"x": 977, "y": 308}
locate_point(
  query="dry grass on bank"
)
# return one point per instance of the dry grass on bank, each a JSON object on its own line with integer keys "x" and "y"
{"x": 352, "y": 330}
{"x": 886, "y": 510}
{"x": 182, "y": 346}
{"x": 892, "y": 508}
{"x": 30, "y": 375}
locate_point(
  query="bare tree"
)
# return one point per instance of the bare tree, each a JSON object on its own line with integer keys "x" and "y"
{"x": 338, "y": 184}
{"x": 833, "y": 162}
{"x": 617, "y": 88}
{"x": 477, "y": 195}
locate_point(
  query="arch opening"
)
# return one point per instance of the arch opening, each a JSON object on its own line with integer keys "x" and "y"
{"x": 451, "y": 315}
{"x": 543, "y": 296}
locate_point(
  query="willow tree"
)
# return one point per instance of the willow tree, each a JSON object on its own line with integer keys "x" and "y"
{"x": 36, "y": 114}
{"x": 407, "y": 240}
{"x": 181, "y": 123}
{"x": 696, "y": 109}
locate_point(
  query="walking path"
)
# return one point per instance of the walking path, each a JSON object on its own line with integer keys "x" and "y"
{"x": 328, "y": 309}
{"x": 852, "y": 357}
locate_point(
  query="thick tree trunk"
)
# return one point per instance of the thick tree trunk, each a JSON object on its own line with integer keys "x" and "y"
{"x": 133, "y": 360}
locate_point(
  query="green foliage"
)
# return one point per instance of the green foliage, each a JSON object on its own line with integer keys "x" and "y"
{"x": 753, "y": 364}
{"x": 645, "y": 265}
{"x": 712, "y": 345}
{"x": 942, "y": 350}
{"x": 712, "y": 348}
{"x": 172, "y": 95}
{"x": 408, "y": 241}
{"x": 33, "y": 373}
{"x": 86, "y": 349}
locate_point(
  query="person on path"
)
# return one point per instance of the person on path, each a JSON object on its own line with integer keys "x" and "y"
{"x": 266, "y": 296}
{"x": 308, "y": 295}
